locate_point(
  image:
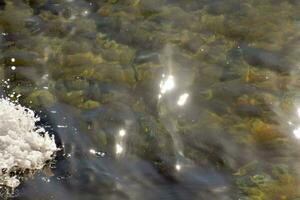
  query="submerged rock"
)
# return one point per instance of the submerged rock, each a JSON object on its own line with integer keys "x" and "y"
{"x": 265, "y": 59}
{"x": 41, "y": 98}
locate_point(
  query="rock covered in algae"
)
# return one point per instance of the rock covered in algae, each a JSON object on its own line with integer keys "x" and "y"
{"x": 23, "y": 145}
{"x": 41, "y": 98}
{"x": 278, "y": 183}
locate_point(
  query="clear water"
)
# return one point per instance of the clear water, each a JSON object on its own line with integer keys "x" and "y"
{"x": 159, "y": 99}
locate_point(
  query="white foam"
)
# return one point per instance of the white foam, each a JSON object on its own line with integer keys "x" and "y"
{"x": 23, "y": 145}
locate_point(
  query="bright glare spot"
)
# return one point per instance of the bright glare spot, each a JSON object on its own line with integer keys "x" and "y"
{"x": 13, "y": 68}
{"x": 290, "y": 123}
{"x": 85, "y": 13}
{"x": 119, "y": 149}
{"x": 159, "y": 96}
{"x": 178, "y": 167}
{"x": 297, "y": 133}
{"x": 122, "y": 133}
{"x": 45, "y": 76}
{"x": 298, "y": 112}
{"x": 182, "y": 99}
{"x": 167, "y": 85}
{"x": 181, "y": 153}
{"x": 97, "y": 153}
{"x": 13, "y": 60}
{"x": 47, "y": 180}
{"x": 72, "y": 17}
{"x": 61, "y": 126}
{"x": 92, "y": 151}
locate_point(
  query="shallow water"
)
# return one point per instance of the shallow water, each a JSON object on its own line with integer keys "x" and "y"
{"x": 159, "y": 99}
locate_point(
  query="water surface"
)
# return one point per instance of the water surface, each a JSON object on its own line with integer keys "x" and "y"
{"x": 159, "y": 99}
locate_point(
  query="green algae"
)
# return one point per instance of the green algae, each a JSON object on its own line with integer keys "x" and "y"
{"x": 40, "y": 98}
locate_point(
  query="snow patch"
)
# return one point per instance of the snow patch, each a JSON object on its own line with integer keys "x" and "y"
{"x": 23, "y": 145}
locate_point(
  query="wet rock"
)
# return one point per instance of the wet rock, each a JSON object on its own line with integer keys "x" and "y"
{"x": 74, "y": 98}
{"x": 73, "y": 47}
{"x": 56, "y": 25}
{"x": 112, "y": 1}
{"x": 75, "y": 83}
{"x": 122, "y": 54}
{"x": 106, "y": 92}
{"x": 174, "y": 16}
{"x": 2, "y": 4}
{"x": 210, "y": 22}
{"x": 37, "y": 3}
{"x": 143, "y": 57}
{"x": 21, "y": 57}
{"x": 23, "y": 87}
{"x": 82, "y": 59}
{"x": 263, "y": 132}
{"x": 230, "y": 90}
{"x": 34, "y": 24}
{"x": 265, "y": 59}
{"x": 90, "y": 104}
{"x": 147, "y": 71}
{"x": 249, "y": 110}
{"x": 104, "y": 11}
{"x": 222, "y": 7}
{"x": 40, "y": 98}
{"x": 150, "y": 6}
{"x": 17, "y": 23}
{"x": 83, "y": 26}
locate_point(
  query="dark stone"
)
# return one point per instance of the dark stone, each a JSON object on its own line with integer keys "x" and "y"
{"x": 265, "y": 59}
